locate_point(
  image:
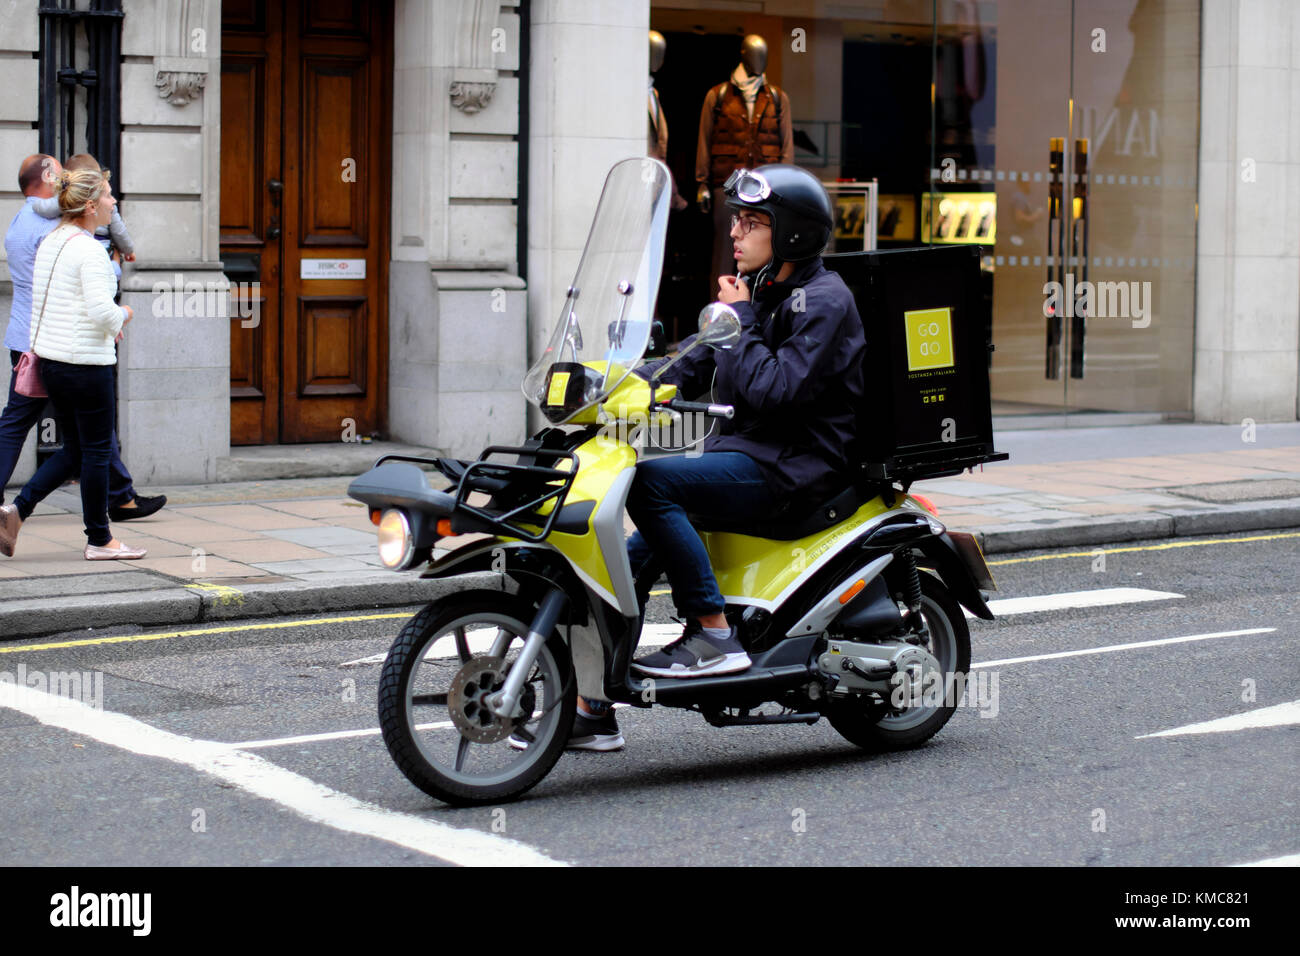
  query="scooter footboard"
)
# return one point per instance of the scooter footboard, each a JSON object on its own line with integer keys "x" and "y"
{"x": 755, "y": 685}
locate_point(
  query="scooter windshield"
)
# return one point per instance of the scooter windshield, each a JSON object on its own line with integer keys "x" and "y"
{"x": 604, "y": 327}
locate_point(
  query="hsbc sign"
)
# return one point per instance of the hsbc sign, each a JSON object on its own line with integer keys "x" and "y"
{"x": 333, "y": 268}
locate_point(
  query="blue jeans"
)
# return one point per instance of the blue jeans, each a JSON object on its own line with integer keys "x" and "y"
{"x": 20, "y": 414}
{"x": 84, "y": 402}
{"x": 726, "y": 485}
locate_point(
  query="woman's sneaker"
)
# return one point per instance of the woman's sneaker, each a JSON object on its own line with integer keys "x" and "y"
{"x": 696, "y": 655}
{"x": 589, "y": 733}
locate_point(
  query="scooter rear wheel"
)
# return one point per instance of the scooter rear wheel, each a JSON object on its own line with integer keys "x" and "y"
{"x": 440, "y": 667}
{"x": 876, "y": 728}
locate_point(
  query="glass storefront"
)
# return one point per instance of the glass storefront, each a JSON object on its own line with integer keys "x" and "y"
{"x": 1058, "y": 135}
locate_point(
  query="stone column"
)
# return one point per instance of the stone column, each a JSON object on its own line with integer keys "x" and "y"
{"x": 590, "y": 63}
{"x": 174, "y": 361}
{"x": 456, "y": 323}
{"x": 1248, "y": 234}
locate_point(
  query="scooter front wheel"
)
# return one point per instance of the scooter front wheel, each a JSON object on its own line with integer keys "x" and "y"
{"x": 433, "y": 692}
{"x": 875, "y": 727}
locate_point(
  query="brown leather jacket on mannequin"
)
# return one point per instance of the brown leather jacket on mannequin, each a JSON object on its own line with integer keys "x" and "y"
{"x": 728, "y": 139}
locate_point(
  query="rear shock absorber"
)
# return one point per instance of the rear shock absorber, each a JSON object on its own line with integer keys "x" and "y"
{"x": 911, "y": 581}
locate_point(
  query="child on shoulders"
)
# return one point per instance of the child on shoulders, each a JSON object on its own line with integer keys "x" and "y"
{"x": 115, "y": 235}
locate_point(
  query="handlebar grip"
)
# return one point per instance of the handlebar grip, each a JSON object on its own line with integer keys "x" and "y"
{"x": 704, "y": 408}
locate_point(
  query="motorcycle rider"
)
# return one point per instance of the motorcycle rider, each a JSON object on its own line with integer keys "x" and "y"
{"x": 795, "y": 379}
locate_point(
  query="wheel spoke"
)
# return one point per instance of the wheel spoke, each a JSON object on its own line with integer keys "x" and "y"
{"x": 449, "y": 671}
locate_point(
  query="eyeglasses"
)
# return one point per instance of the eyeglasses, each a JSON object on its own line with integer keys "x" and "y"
{"x": 746, "y": 224}
{"x": 748, "y": 186}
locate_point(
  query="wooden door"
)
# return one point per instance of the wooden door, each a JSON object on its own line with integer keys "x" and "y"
{"x": 305, "y": 135}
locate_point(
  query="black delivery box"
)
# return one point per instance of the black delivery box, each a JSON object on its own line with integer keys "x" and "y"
{"x": 926, "y": 407}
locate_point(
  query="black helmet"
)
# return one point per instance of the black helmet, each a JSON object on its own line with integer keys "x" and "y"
{"x": 802, "y": 217}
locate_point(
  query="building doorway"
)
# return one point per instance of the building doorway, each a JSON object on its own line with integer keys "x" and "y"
{"x": 306, "y": 105}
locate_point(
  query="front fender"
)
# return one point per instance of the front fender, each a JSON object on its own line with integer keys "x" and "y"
{"x": 475, "y": 556}
{"x": 526, "y": 563}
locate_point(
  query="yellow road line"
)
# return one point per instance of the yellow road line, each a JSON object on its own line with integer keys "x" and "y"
{"x": 279, "y": 625}
{"x": 1095, "y": 551}
{"x": 1148, "y": 547}
{"x": 129, "y": 638}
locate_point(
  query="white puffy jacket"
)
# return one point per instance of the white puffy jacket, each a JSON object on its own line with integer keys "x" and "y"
{"x": 80, "y": 320}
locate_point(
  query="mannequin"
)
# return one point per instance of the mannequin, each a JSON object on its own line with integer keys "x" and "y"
{"x": 744, "y": 122}
{"x": 657, "y": 144}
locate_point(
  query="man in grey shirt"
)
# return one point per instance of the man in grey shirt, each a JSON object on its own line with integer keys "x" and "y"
{"x": 36, "y": 178}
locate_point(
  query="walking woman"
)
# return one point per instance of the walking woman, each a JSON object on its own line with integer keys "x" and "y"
{"x": 74, "y": 326}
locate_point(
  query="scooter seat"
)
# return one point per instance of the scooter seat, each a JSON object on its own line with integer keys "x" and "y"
{"x": 792, "y": 527}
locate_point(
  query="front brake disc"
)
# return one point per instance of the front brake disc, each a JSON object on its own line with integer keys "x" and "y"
{"x": 467, "y": 701}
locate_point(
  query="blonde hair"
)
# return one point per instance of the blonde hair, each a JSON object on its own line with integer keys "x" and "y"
{"x": 77, "y": 187}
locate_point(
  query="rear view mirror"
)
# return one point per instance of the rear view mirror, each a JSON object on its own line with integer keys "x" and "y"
{"x": 719, "y": 325}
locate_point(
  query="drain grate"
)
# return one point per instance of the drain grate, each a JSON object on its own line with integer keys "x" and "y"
{"x": 1251, "y": 489}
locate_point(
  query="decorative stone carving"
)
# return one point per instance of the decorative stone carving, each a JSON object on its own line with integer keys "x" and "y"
{"x": 179, "y": 88}
{"x": 474, "y": 74}
{"x": 471, "y": 97}
{"x": 181, "y": 63}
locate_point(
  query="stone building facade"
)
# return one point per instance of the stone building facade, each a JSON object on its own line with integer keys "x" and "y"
{"x": 478, "y": 133}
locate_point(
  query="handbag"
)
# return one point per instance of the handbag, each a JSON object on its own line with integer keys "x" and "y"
{"x": 27, "y": 377}
{"x": 27, "y": 373}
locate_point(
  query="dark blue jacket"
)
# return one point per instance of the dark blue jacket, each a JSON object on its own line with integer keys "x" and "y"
{"x": 795, "y": 378}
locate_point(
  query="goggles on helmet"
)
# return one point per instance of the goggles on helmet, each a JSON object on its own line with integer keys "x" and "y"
{"x": 748, "y": 186}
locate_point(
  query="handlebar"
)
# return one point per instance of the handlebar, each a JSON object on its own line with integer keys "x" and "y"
{"x": 703, "y": 408}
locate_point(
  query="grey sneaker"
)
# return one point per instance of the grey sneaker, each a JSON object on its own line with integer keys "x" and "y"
{"x": 599, "y": 733}
{"x": 694, "y": 655}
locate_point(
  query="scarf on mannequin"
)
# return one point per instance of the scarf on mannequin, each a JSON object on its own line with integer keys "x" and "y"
{"x": 748, "y": 86}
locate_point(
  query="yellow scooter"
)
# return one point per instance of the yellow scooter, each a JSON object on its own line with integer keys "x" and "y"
{"x": 850, "y": 609}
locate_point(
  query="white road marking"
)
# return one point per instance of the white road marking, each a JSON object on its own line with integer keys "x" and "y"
{"x": 1124, "y": 647}
{"x": 1292, "y": 860}
{"x": 1279, "y": 715}
{"x": 1100, "y": 597}
{"x": 251, "y": 773}
{"x": 672, "y": 628}
{"x": 372, "y": 659}
{"x": 480, "y": 642}
{"x": 335, "y": 735}
{"x": 657, "y": 635}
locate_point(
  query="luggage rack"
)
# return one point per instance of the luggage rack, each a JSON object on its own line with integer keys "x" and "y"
{"x": 531, "y": 486}
{"x": 910, "y": 468}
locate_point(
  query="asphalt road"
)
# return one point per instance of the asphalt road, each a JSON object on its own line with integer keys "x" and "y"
{"x": 1055, "y": 769}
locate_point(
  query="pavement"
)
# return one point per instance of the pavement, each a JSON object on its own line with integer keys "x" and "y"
{"x": 299, "y": 545}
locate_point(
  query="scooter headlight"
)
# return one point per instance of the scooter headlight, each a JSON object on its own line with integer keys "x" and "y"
{"x": 396, "y": 542}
